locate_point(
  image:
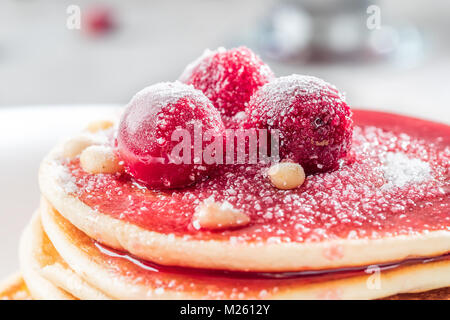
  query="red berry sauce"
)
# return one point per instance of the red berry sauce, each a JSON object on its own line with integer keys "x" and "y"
{"x": 394, "y": 181}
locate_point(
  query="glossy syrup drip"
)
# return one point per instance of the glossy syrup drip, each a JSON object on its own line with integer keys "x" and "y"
{"x": 305, "y": 274}
{"x": 354, "y": 202}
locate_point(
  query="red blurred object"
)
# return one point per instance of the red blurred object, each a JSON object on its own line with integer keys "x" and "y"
{"x": 98, "y": 20}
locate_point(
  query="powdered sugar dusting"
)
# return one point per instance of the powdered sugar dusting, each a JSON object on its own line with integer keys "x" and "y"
{"x": 202, "y": 61}
{"x": 64, "y": 178}
{"x": 194, "y": 64}
{"x": 314, "y": 122}
{"x": 399, "y": 170}
{"x": 164, "y": 93}
{"x": 227, "y": 77}
{"x": 171, "y": 91}
{"x": 283, "y": 91}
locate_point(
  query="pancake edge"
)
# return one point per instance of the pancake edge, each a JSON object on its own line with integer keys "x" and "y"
{"x": 410, "y": 278}
{"x": 39, "y": 287}
{"x": 14, "y": 288}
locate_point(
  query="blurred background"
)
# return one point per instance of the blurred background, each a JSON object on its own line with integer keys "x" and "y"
{"x": 58, "y": 71}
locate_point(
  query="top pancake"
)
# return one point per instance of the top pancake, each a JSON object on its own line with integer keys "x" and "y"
{"x": 374, "y": 201}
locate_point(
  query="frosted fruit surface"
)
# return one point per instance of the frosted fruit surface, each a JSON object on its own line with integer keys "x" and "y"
{"x": 146, "y": 138}
{"x": 228, "y": 78}
{"x": 312, "y": 117}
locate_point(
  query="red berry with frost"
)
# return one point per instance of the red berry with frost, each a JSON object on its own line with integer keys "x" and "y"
{"x": 314, "y": 121}
{"x": 228, "y": 78}
{"x": 157, "y": 120}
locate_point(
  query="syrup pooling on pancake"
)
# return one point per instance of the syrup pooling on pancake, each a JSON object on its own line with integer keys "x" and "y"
{"x": 306, "y": 275}
{"x": 347, "y": 203}
{"x": 217, "y": 284}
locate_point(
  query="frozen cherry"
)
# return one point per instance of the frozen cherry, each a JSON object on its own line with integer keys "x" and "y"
{"x": 314, "y": 122}
{"x": 228, "y": 78}
{"x": 158, "y": 120}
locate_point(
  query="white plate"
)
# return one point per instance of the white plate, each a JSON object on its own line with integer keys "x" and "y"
{"x": 26, "y": 135}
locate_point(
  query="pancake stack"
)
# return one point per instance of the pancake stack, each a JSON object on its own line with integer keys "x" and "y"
{"x": 103, "y": 236}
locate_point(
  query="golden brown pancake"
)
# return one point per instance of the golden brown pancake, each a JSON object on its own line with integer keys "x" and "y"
{"x": 14, "y": 288}
{"x": 438, "y": 294}
{"x": 124, "y": 277}
{"x": 46, "y": 275}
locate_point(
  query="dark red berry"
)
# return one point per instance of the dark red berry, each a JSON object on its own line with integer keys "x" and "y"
{"x": 145, "y": 140}
{"x": 228, "y": 78}
{"x": 313, "y": 119}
